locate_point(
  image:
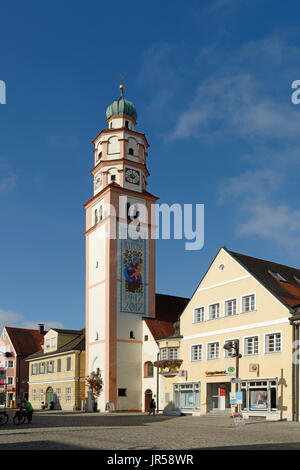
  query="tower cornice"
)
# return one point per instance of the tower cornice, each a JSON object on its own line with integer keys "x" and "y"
{"x": 123, "y": 161}
{"x": 121, "y": 190}
{"x": 117, "y": 130}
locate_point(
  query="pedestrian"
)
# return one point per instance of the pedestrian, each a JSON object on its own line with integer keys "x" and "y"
{"x": 29, "y": 410}
{"x": 152, "y": 407}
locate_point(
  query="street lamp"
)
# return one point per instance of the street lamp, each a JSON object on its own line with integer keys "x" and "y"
{"x": 235, "y": 346}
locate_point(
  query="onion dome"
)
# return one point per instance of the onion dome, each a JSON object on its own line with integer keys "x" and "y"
{"x": 121, "y": 106}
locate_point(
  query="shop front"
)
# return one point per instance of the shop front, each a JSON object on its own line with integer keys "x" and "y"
{"x": 187, "y": 396}
{"x": 218, "y": 396}
{"x": 260, "y": 397}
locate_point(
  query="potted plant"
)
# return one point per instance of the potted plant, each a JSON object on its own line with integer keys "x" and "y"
{"x": 95, "y": 384}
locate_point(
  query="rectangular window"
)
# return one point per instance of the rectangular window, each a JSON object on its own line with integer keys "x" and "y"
{"x": 50, "y": 367}
{"x": 10, "y": 380}
{"x": 173, "y": 353}
{"x": 251, "y": 346}
{"x": 58, "y": 394}
{"x": 9, "y": 364}
{"x": 68, "y": 363}
{"x": 41, "y": 395}
{"x": 58, "y": 365}
{"x": 47, "y": 343}
{"x": 230, "y": 308}
{"x": 163, "y": 354}
{"x": 213, "y": 350}
{"x": 53, "y": 342}
{"x": 198, "y": 315}
{"x": 33, "y": 395}
{"x": 214, "y": 311}
{"x": 33, "y": 369}
{"x": 122, "y": 392}
{"x": 42, "y": 368}
{"x": 196, "y": 352}
{"x": 248, "y": 303}
{"x": 273, "y": 343}
{"x": 68, "y": 394}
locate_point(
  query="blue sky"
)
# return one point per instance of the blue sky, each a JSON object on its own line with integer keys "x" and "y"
{"x": 211, "y": 82}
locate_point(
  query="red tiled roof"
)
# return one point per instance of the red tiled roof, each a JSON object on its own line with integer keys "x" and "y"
{"x": 168, "y": 309}
{"x": 287, "y": 292}
{"x": 25, "y": 341}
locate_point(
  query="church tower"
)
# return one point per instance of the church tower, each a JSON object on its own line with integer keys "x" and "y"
{"x": 120, "y": 268}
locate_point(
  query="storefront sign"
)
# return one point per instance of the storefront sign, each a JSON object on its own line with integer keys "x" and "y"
{"x": 215, "y": 373}
{"x": 236, "y": 398}
{"x": 238, "y": 418}
{"x": 231, "y": 371}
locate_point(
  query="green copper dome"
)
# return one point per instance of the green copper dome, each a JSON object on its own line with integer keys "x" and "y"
{"x": 121, "y": 106}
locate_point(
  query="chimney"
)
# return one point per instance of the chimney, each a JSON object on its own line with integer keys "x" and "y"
{"x": 41, "y": 328}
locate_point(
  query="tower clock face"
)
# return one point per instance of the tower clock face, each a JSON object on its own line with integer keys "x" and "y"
{"x": 132, "y": 176}
{"x": 98, "y": 181}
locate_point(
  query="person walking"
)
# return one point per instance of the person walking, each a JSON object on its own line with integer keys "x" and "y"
{"x": 152, "y": 407}
{"x": 29, "y": 410}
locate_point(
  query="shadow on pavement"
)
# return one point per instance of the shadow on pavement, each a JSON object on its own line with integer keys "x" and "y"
{"x": 73, "y": 419}
{"x": 272, "y": 446}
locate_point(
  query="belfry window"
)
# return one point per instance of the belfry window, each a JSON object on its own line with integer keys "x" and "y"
{"x": 99, "y": 155}
{"x": 131, "y": 335}
{"x": 96, "y": 216}
{"x": 130, "y": 151}
{"x": 126, "y": 124}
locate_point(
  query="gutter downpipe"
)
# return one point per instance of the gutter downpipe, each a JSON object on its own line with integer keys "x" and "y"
{"x": 294, "y": 321}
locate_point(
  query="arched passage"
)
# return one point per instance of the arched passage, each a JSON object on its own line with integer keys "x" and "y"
{"x": 148, "y": 398}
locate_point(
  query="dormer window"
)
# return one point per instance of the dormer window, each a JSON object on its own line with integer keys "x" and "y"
{"x": 278, "y": 276}
{"x": 47, "y": 343}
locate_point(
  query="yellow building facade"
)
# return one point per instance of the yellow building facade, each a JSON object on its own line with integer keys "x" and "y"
{"x": 240, "y": 299}
{"x": 57, "y": 373}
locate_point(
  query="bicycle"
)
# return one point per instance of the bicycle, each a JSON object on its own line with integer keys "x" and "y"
{"x": 20, "y": 416}
{"x": 3, "y": 418}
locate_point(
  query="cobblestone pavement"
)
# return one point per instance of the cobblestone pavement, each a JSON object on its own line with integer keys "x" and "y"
{"x": 79, "y": 430}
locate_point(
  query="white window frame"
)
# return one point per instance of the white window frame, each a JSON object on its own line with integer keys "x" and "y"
{"x": 177, "y": 353}
{"x": 191, "y": 352}
{"x": 236, "y": 307}
{"x": 33, "y": 394}
{"x": 265, "y": 342}
{"x": 244, "y": 348}
{"x": 166, "y": 354}
{"x": 7, "y": 366}
{"x": 207, "y": 349}
{"x": 194, "y": 315}
{"x": 40, "y": 367}
{"x": 10, "y": 380}
{"x": 68, "y": 395}
{"x": 226, "y": 341}
{"x": 210, "y": 305}
{"x": 42, "y": 397}
{"x": 53, "y": 342}
{"x": 47, "y": 343}
{"x": 242, "y": 304}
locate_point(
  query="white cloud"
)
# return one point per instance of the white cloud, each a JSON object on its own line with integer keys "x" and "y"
{"x": 279, "y": 224}
{"x": 9, "y": 318}
{"x": 7, "y": 182}
{"x": 255, "y": 184}
{"x": 14, "y": 319}
{"x": 239, "y": 105}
